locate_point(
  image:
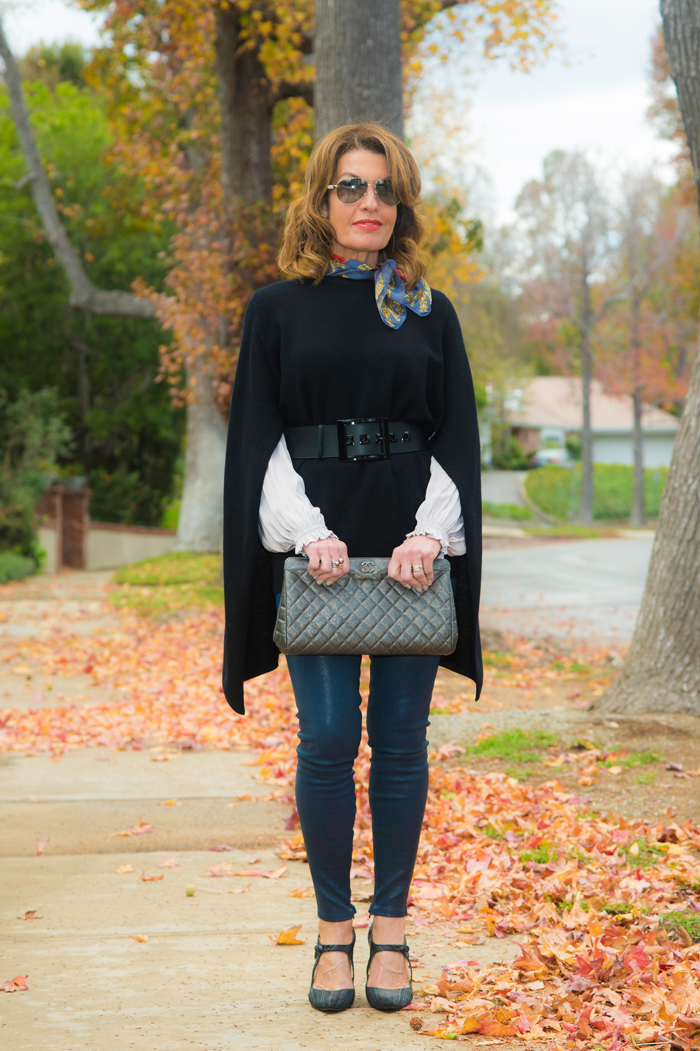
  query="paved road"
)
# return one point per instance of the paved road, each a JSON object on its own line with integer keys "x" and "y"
{"x": 588, "y": 589}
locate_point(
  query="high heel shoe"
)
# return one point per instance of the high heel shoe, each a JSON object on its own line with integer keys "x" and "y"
{"x": 332, "y": 1000}
{"x": 388, "y": 999}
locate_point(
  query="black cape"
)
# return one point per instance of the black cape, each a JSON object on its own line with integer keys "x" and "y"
{"x": 314, "y": 354}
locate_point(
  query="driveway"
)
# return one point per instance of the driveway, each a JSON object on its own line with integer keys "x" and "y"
{"x": 587, "y": 589}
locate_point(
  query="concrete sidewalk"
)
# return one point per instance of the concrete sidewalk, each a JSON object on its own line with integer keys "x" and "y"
{"x": 208, "y": 977}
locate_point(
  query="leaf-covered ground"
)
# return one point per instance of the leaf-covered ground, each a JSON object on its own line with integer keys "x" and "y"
{"x": 583, "y": 894}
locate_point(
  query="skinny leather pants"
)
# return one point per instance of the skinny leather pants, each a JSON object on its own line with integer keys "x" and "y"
{"x": 327, "y": 694}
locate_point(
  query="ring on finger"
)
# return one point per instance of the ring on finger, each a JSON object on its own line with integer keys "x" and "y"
{"x": 418, "y": 568}
{"x": 338, "y": 563}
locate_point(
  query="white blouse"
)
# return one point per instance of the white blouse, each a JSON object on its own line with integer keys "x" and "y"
{"x": 289, "y": 520}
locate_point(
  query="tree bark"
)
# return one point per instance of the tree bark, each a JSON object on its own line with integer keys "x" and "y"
{"x": 585, "y": 514}
{"x": 662, "y": 670}
{"x": 83, "y": 294}
{"x": 358, "y": 63}
{"x": 246, "y": 103}
{"x": 200, "y": 527}
{"x": 638, "y": 516}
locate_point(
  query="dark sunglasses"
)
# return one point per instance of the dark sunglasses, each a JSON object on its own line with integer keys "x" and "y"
{"x": 350, "y": 191}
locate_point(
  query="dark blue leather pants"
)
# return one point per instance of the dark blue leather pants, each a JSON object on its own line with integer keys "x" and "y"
{"x": 327, "y": 694}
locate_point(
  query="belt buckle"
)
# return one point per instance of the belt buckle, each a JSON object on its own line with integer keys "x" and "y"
{"x": 364, "y": 438}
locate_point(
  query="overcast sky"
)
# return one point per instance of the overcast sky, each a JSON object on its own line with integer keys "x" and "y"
{"x": 592, "y": 95}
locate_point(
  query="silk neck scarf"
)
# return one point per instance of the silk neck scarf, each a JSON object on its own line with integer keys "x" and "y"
{"x": 393, "y": 300}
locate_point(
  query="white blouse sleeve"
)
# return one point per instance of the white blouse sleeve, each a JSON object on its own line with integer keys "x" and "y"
{"x": 287, "y": 518}
{"x": 440, "y": 514}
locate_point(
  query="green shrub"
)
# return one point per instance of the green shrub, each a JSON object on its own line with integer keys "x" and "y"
{"x": 557, "y": 490}
{"x": 15, "y": 567}
{"x": 505, "y": 510}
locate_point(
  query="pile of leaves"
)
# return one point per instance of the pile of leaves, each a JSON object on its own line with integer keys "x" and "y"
{"x": 584, "y": 894}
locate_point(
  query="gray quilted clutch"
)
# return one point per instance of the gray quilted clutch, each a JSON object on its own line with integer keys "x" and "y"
{"x": 365, "y": 612}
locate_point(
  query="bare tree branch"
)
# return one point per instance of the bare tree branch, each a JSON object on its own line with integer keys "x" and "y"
{"x": 83, "y": 295}
{"x": 285, "y": 89}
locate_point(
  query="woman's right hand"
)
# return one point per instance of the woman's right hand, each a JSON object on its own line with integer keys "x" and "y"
{"x": 321, "y": 554}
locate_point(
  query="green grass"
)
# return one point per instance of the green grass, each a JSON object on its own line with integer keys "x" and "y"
{"x": 497, "y": 659}
{"x": 512, "y": 511}
{"x": 491, "y": 831}
{"x": 524, "y": 746}
{"x": 688, "y": 921}
{"x": 541, "y": 855}
{"x": 585, "y": 532}
{"x": 647, "y": 855}
{"x": 635, "y": 759}
{"x": 556, "y": 490}
{"x": 645, "y": 779}
{"x": 177, "y": 581}
{"x": 15, "y": 567}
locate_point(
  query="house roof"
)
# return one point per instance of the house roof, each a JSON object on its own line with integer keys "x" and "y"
{"x": 555, "y": 401}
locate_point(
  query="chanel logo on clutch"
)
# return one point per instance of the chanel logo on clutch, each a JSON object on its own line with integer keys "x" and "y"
{"x": 367, "y": 567}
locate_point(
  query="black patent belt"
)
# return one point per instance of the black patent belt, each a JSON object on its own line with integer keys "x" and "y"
{"x": 353, "y": 441}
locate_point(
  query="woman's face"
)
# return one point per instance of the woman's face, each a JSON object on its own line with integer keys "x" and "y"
{"x": 364, "y": 228}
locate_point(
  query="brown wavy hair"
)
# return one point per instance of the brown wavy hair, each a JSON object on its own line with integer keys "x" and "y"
{"x": 308, "y": 235}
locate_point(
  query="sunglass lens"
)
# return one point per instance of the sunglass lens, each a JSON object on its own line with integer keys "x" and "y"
{"x": 350, "y": 191}
{"x": 385, "y": 193}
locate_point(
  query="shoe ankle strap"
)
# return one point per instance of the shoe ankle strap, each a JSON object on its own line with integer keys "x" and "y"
{"x": 319, "y": 949}
{"x": 389, "y": 948}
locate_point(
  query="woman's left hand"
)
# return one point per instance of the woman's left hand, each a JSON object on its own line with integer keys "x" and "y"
{"x": 416, "y": 551}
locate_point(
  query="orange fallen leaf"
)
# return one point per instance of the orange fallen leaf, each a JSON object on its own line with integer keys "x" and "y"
{"x": 124, "y": 868}
{"x": 16, "y": 985}
{"x": 139, "y": 937}
{"x": 248, "y": 872}
{"x": 142, "y": 829}
{"x": 362, "y": 923}
{"x": 302, "y": 892}
{"x": 41, "y": 845}
{"x": 224, "y": 869}
{"x": 30, "y": 915}
{"x": 275, "y": 873}
{"x": 168, "y": 863}
{"x": 288, "y": 937}
{"x": 151, "y": 877}
{"x": 240, "y": 890}
{"x": 171, "y": 802}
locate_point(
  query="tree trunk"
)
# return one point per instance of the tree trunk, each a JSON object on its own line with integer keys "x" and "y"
{"x": 638, "y": 517}
{"x": 201, "y": 513}
{"x": 585, "y": 514}
{"x": 662, "y": 670}
{"x": 83, "y": 294}
{"x": 246, "y": 103}
{"x": 358, "y": 63}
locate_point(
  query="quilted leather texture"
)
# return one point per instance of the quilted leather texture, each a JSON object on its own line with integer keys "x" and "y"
{"x": 365, "y": 612}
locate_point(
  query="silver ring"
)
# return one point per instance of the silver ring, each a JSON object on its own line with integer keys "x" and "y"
{"x": 338, "y": 563}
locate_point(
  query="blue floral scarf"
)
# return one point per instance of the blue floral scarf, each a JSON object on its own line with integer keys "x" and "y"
{"x": 389, "y": 288}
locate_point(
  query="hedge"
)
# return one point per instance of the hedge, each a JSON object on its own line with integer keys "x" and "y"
{"x": 557, "y": 490}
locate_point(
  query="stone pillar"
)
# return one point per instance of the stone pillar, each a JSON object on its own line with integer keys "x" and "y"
{"x": 50, "y": 507}
{"x": 76, "y": 526}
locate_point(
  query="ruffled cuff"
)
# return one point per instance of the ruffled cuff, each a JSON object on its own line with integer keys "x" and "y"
{"x": 435, "y": 534}
{"x": 310, "y": 536}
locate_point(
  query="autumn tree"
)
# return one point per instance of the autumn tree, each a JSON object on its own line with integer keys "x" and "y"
{"x": 662, "y": 670}
{"x": 566, "y": 223}
{"x": 210, "y": 106}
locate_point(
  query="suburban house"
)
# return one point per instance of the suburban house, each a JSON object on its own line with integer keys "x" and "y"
{"x": 550, "y": 406}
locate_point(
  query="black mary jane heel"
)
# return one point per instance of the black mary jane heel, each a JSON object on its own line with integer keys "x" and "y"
{"x": 332, "y": 1000}
{"x": 388, "y": 999}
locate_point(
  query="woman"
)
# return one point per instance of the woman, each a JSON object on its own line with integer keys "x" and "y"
{"x": 356, "y": 333}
